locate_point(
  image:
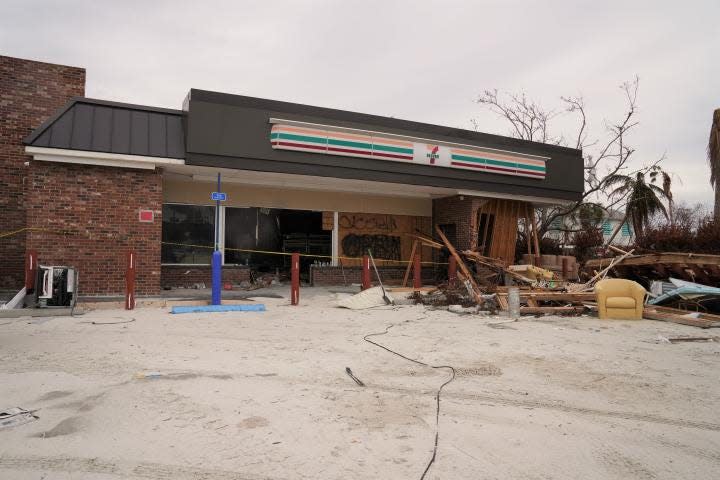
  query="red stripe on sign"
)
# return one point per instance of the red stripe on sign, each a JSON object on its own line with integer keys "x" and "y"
{"x": 348, "y": 150}
{"x": 537, "y": 174}
{"x": 300, "y": 145}
{"x": 473, "y": 165}
{"x": 391, "y": 155}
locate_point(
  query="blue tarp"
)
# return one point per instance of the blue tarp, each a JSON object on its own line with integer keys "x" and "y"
{"x": 252, "y": 307}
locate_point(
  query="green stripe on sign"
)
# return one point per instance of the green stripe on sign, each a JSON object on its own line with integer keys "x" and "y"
{"x": 300, "y": 138}
{"x": 499, "y": 163}
{"x": 347, "y": 143}
{"x": 387, "y": 148}
{"x": 465, "y": 158}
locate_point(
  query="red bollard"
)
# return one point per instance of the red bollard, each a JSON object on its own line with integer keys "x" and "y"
{"x": 31, "y": 265}
{"x": 417, "y": 272}
{"x": 130, "y": 269}
{"x": 452, "y": 271}
{"x": 295, "y": 279}
{"x": 365, "y": 279}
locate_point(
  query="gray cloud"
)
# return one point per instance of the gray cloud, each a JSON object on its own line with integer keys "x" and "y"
{"x": 419, "y": 60}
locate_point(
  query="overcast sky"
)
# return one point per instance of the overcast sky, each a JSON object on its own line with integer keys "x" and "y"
{"x": 418, "y": 60}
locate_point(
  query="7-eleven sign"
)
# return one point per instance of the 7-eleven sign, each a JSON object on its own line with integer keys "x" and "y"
{"x": 430, "y": 154}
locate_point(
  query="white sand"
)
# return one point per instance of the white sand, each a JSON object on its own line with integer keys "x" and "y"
{"x": 265, "y": 395}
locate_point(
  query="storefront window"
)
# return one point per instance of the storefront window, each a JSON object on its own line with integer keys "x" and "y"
{"x": 186, "y": 225}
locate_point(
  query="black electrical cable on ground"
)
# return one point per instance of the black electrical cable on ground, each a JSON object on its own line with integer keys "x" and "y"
{"x": 437, "y": 395}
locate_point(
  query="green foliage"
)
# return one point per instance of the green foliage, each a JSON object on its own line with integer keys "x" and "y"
{"x": 644, "y": 198}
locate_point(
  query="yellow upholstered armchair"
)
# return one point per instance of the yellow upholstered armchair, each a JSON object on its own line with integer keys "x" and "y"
{"x": 620, "y": 299}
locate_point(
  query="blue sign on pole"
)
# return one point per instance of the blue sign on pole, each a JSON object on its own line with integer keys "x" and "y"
{"x": 218, "y": 196}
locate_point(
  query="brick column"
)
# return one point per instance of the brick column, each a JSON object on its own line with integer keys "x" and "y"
{"x": 30, "y": 92}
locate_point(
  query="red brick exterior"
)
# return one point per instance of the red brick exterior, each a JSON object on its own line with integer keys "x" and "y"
{"x": 188, "y": 275}
{"x": 461, "y": 211}
{"x": 98, "y": 208}
{"x": 29, "y": 93}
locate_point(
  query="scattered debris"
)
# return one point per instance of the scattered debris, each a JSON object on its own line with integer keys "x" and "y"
{"x": 683, "y": 317}
{"x": 692, "y": 339}
{"x": 659, "y": 266}
{"x": 351, "y": 375}
{"x": 688, "y": 294}
{"x": 15, "y": 416}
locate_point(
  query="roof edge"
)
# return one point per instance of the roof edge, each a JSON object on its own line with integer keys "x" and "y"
{"x": 93, "y": 101}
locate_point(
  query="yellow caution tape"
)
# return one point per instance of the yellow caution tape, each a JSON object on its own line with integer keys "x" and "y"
{"x": 245, "y": 250}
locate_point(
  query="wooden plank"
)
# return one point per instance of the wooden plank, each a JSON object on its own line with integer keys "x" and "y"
{"x": 663, "y": 258}
{"x": 409, "y": 265}
{"x": 527, "y": 229}
{"x": 479, "y": 242}
{"x": 555, "y": 296}
{"x": 551, "y": 310}
{"x": 484, "y": 247}
{"x": 678, "y": 316}
{"x": 461, "y": 265}
{"x": 534, "y": 231}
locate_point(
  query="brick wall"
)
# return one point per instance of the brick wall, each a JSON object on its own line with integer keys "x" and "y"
{"x": 100, "y": 207}
{"x": 333, "y": 276}
{"x": 461, "y": 211}
{"x": 188, "y": 275}
{"x": 29, "y": 93}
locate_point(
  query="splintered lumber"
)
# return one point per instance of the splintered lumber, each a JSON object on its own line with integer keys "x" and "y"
{"x": 426, "y": 241}
{"x": 553, "y": 296}
{"x": 410, "y": 263}
{"x": 461, "y": 265}
{"x": 552, "y": 310}
{"x": 692, "y": 339}
{"x": 683, "y": 317}
{"x": 601, "y": 274}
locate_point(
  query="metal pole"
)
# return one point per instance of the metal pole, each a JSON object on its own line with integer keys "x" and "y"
{"x": 217, "y": 255}
{"x": 217, "y": 217}
{"x": 295, "y": 279}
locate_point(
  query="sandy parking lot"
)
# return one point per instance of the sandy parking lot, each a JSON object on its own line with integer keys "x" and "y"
{"x": 265, "y": 395}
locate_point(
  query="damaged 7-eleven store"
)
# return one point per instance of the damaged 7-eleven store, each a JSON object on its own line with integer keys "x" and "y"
{"x": 329, "y": 184}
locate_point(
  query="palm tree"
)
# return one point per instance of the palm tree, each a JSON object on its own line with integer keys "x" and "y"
{"x": 714, "y": 159}
{"x": 643, "y": 198}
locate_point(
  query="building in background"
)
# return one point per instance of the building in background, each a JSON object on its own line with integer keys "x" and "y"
{"x": 105, "y": 177}
{"x": 562, "y": 228}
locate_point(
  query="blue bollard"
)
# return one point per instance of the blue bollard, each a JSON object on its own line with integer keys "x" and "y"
{"x": 216, "y": 277}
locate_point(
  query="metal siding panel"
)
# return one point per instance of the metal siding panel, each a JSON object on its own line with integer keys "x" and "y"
{"x": 175, "y": 137}
{"x": 157, "y": 136}
{"x": 81, "y": 138}
{"x": 138, "y": 133}
{"x": 62, "y": 130}
{"x": 43, "y": 140}
{"x": 120, "y": 131}
{"x": 102, "y": 128}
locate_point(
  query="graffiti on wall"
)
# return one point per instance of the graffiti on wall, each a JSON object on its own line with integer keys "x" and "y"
{"x": 367, "y": 222}
{"x": 386, "y": 247}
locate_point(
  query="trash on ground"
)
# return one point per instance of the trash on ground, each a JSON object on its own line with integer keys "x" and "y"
{"x": 15, "y": 416}
{"x": 355, "y": 379}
